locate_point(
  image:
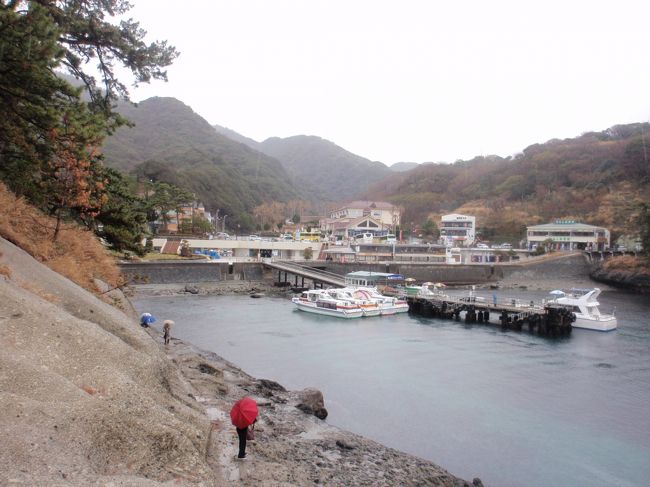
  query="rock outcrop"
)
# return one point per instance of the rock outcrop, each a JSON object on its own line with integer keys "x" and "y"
{"x": 633, "y": 281}
{"x": 312, "y": 402}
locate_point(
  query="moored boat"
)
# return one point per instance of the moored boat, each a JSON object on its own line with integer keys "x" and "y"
{"x": 584, "y": 305}
{"x": 388, "y": 305}
{"x": 427, "y": 290}
{"x": 369, "y": 307}
{"x": 319, "y": 302}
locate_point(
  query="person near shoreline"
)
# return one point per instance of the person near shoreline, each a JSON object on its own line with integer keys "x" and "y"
{"x": 146, "y": 319}
{"x": 245, "y": 434}
{"x": 167, "y": 326}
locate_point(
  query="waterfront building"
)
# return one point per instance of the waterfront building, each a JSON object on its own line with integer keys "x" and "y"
{"x": 362, "y": 216}
{"x": 569, "y": 235}
{"x": 457, "y": 230}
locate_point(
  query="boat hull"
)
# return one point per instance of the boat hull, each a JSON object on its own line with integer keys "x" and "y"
{"x": 374, "y": 311}
{"x": 602, "y": 324}
{"x": 346, "y": 314}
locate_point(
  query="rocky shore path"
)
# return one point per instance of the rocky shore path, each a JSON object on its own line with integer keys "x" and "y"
{"x": 292, "y": 448}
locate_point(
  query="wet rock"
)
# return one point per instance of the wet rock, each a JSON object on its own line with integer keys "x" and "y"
{"x": 345, "y": 445}
{"x": 311, "y": 402}
{"x": 208, "y": 369}
{"x": 270, "y": 385}
{"x": 191, "y": 289}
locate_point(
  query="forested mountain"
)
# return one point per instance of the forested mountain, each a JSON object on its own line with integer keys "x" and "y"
{"x": 171, "y": 143}
{"x": 599, "y": 178}
{"x": 329, "y": 172}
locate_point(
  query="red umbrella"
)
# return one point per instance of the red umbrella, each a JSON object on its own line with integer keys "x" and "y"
{"x": 243, "y": 413}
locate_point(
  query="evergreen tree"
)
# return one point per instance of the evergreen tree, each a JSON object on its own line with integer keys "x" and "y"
{"x": 122, "y": 218}
{"x": 49, "y": 136}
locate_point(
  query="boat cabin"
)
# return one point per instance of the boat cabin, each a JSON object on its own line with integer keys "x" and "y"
{"x": 372, "y": 279}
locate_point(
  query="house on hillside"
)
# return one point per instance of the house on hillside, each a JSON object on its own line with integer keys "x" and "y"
{"x": 181, "y": 221}
{"x": 457, "y": 230}
{"x": 362, "y": 217}
{"x": 568, "y": 235}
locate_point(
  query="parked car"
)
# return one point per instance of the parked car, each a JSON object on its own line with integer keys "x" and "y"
{"x": 222, "y": 236}
{"x": 482, "y": 246}
{"x": 254, "y": 237}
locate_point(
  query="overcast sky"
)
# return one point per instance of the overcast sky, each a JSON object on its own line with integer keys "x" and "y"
{"x": 407, "y": 80}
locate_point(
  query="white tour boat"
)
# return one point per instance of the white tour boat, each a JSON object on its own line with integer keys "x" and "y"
{"x": 369, "y": 307}
{"x": 319, "y": 302}
{"x": 584, "y": 305}
{"x": 388, "y": 305}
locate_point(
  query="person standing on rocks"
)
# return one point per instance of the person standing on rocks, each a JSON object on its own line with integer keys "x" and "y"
{"x": 244, "y": 434}
{"x": 167, "y": 326}
{"x": 244, "y": 415}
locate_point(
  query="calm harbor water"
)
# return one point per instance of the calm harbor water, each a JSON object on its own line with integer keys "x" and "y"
{"x": 511, "y": 408}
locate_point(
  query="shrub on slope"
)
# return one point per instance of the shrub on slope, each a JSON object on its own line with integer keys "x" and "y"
{"x": 76, "y": 254}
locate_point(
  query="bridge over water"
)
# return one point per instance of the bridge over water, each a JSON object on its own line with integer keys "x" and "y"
{"x": 318, "y": 276}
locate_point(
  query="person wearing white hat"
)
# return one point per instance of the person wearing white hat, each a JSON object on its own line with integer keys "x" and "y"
{"x": 167, "y": 326}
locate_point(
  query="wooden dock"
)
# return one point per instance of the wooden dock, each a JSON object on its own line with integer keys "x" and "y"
{"x": 546, "y": 320}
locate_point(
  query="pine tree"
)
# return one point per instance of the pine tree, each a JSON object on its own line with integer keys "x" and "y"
{"x": 49, "y": 136}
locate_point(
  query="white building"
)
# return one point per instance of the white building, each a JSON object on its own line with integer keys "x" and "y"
{"x": 569, "y": 235}
{"x": 376, "y": 217}
{"x": 457, "y": 230}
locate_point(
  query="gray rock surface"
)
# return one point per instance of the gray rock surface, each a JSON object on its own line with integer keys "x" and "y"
{"x": 312, "y": 402}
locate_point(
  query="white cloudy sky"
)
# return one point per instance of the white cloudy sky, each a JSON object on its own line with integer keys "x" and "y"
{"x": 407, "y": 80}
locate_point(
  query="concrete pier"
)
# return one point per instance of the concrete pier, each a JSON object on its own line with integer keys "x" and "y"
{"x": 547, "y": 320}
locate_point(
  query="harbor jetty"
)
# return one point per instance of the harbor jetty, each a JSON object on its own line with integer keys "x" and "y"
{"x": 546, "y": 319}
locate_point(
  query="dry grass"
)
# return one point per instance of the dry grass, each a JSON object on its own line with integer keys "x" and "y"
{"x": 77, "y": 254}
{"x": 627, "y": 263}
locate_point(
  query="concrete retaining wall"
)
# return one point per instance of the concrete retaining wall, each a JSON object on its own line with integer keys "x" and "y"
{"x": 568, "y": 270}
{"x": 190, "y": 272}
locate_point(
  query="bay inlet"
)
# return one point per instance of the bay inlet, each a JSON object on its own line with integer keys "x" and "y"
{"x": 512, "y": 408}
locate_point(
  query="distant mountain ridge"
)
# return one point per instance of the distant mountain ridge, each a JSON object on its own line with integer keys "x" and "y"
{"x": 403, "y": 166}
{"x": 600, "y": 178}
{"x": 312, "y": 161}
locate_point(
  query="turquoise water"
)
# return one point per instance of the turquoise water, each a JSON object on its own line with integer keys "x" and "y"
{"x": 511, "y": 408}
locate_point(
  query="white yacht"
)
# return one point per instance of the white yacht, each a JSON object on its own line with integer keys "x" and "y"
{"x": 584, "y": 305}
{"x": 319, "y": 302}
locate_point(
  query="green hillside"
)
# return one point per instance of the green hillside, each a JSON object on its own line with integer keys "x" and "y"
{"x": 598, "y": 178}
{"x": 171, "y": 143}
{"x": 329, "y": 172}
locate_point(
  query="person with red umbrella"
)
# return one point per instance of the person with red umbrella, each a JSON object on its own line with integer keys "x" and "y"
{"x": 243, "y": 414}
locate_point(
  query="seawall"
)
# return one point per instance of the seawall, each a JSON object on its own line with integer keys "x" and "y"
{"x": 190, "y": 272}
{"x": 570, "y": 270}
